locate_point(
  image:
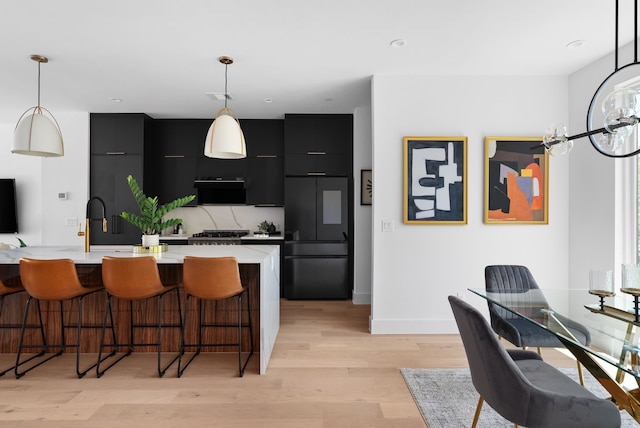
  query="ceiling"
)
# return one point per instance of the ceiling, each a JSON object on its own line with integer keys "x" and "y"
{"x": 160, "y": 57}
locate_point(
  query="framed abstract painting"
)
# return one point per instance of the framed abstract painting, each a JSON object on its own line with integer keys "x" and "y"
{"x": 435, "y": 180}
{"x": 516, "y": 181}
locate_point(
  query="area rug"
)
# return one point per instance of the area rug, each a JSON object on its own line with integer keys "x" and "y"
{"x": 446, "y": 398}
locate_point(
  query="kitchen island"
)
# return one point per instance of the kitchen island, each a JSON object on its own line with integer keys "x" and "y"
{"x": 259, "y": 271}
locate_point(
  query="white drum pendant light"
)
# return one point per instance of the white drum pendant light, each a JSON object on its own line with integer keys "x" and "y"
{"x": 225, "y": 139}
{"x": 37, "y": 132}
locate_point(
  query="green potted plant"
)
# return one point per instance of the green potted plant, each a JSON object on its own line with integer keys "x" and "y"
{"x": 266, "y": 227}
{"x": 150, "y": 220}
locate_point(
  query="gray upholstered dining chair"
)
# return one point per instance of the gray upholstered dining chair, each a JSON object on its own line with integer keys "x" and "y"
{"x": 520, "y": 386}
{"x": 517, "y": 330}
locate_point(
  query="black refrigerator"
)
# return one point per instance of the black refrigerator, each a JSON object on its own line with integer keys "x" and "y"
{"x": 316, "y": 252}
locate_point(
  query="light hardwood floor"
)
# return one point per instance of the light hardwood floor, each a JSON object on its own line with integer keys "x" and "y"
{"x": 326, "y": 371}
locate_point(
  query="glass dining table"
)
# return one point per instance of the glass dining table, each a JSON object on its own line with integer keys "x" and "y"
{"x": 613, "y": 357}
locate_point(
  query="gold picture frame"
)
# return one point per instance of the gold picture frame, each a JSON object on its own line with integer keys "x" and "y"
{"x": 435, "y": 180}
{"x": 516, "y": 181}
{"x": 366, "y": 187}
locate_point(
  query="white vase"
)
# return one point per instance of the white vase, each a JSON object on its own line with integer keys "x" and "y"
{"x": 150, "y": 240}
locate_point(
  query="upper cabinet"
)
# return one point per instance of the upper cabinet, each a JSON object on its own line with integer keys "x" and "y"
{"x": 265, "y": 162}
{"x": 318, "y": 145}
{"x": 121, "y": 133}
{"x": 177, "y": 146}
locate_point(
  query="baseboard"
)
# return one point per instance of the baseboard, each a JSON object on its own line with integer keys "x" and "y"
{"x": 361, "y": 298}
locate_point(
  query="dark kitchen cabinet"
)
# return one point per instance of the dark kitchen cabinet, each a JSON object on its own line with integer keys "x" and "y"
{"x": 173, "y": 177}
{"x": 178, "y": 156}
{"x": 118, "y": 143}
{"x": 265, "y": 161}
{"x": 177, "y": 145}
{"x": 265, "y": 181}
{"x": 318, "y": 145}
{"x": 109, "y": 182}
{"x": 118, "y": 133}
{"x": 185, "y": 139}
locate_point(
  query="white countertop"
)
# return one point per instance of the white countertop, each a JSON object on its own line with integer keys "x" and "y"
{"x": 175, "y": 255}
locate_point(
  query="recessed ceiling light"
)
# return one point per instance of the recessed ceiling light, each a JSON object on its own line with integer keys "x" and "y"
{"x": 576, "y": 44}
{"x": 328, "y": 99}
{"x": 115, "y": 100}
{"x": 398, "y": 43}
{"x": 268, "y": 100}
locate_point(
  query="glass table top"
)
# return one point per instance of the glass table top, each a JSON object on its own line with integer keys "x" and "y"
{"x": 613, "y": 326}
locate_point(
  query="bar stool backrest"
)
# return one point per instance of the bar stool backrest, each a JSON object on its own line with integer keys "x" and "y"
{"x": 50, "y": 279}
{"x": 212, "y": 278}
{"x": 134, "y": 278}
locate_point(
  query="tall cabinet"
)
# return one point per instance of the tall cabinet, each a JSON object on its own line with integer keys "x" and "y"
{"x": 318, "y": 197}
{"x": 117, "y": 150}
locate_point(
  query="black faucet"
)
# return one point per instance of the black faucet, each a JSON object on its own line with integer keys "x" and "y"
{"x": 88, "y": 221}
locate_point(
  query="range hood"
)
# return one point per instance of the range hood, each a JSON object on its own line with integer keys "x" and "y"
{"x": 220, "y": 191}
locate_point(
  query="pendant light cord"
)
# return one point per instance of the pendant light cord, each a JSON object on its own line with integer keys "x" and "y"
{"x": 226, "y": 93}
{"x": 635, "y": 31}
{"x": 38, "y": 83}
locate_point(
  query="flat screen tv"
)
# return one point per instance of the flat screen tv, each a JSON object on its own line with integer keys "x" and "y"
{"x": 8, "y": 209}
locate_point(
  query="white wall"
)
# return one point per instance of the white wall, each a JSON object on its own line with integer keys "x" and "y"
{"x": 362, "y": 213}
{"x": 41, "y": 216}
{"x": 416, "y": 267}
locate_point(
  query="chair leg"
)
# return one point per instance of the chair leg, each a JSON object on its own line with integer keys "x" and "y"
{"x": 243, "y": 367}
{"x": 476, "y": 415}
{"x": 580, "y": 373}
{"x": 7, "y": 370}
{"x": 108, "y": 313}
{"x": 182, "y": 368}
{"x": 82, "y": 373}
{"x": 163, "y": 370}
{"x": 21, "y": 341}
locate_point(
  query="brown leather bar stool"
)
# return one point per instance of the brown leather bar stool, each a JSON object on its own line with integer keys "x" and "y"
{"x": 54, "y": 281}
{"x": 136, "y": 279}
{"x": 214, "y": 279}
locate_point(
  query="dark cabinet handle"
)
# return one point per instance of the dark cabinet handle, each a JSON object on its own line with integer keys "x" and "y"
{"x": 266, "y": 156}
{"x": 116, "y": 153}
{"x": 115, "y": 224}
{"x": 316, "y": 173}
{"x": 316, "y": 153}
{"x": 173, "y": 156}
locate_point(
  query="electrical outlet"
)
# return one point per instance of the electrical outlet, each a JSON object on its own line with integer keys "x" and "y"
{"x": 71, "y": 222}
